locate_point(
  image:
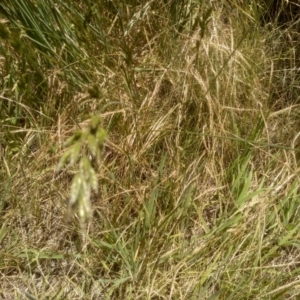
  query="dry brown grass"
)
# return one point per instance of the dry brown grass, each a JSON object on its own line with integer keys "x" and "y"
{"x": 198, "y": 182}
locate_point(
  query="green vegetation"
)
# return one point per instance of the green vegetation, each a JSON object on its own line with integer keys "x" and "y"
{"x": 149, "y": 150}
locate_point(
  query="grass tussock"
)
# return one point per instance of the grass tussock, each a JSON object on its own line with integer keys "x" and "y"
{"x": 149, "y": 150}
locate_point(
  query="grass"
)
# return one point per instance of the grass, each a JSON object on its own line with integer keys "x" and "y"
{"x": 149, "y": 150}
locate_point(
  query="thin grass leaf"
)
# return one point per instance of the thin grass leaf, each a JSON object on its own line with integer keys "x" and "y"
{"x": 3, "y": 231}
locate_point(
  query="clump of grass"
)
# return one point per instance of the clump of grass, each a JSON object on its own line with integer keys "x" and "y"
{"x": 195, "y": 119}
